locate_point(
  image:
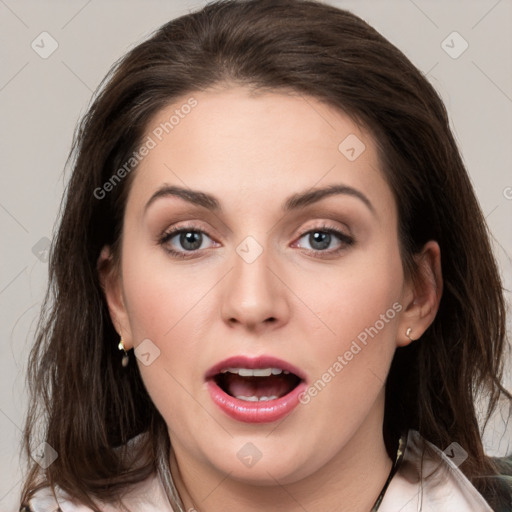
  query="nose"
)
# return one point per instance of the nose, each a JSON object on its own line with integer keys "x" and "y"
{"x": 255, "y": 295}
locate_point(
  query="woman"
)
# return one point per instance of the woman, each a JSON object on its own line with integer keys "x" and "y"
{"x": 272, "y": 286}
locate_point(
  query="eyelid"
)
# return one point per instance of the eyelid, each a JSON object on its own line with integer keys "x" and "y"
{"x": 187, "y": 225}
{"x": 324, "y": 225}
{"x": 172, "y": 231}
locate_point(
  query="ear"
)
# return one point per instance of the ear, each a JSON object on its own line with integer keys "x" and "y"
{"x": 422, "y": 294}
{"x": 111, "y": 283}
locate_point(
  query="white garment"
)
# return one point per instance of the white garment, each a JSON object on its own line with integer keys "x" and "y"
{"x": 146, "y": 496}
{"x": 446, "y": 490}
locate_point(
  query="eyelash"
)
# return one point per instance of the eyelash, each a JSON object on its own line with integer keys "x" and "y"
{"x": 345, "y": 240}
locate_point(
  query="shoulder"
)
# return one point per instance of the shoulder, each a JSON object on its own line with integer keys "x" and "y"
{"x": 430, "y": 480}
{"x": 146, "y": 496}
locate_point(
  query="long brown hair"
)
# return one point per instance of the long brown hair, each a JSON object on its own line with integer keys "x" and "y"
{"x": 87, "y": 406}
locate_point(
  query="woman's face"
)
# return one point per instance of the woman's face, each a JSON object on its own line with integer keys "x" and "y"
{"x": 270, "y": 273}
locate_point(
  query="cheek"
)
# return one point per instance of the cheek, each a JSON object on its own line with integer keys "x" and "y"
{"x": 361, "y": 305}
{"x": 165, "y": 304}
{"x": 353, "y": 296}
{"x": 160, "y": 294}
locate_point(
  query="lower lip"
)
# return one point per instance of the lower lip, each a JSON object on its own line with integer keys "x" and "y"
{"x": 255, "y": 412}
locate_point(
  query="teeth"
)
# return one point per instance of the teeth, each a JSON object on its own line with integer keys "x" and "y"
{"x": 256, "y": 399}
{"x": 262, "y": 372}
{"x": 246, "y": 372}
{"x": 256, "y": 372}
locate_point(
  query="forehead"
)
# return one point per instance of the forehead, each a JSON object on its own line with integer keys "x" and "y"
{"x": 250, "y": 148}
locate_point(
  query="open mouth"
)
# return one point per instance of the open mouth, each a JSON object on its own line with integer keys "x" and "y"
{"x": 258, "y": 384}
{"x": 255, "y": 389}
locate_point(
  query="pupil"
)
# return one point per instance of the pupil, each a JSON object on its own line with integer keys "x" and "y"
{"x": 320, "y": 238}
{"x": 191, "y": 240}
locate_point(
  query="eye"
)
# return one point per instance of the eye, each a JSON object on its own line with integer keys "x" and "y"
{"x": 180, "y": 241}
{"x": 186, "y": 241}
{"x": 322, "y": 239}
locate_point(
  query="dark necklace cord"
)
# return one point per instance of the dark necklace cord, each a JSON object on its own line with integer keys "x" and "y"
{"x": 398, "y": 459}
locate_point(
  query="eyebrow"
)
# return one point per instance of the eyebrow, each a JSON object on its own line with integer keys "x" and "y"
{"x": 294, "y": 202}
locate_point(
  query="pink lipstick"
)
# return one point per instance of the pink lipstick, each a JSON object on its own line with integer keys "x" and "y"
{"x": 255, "y": 390}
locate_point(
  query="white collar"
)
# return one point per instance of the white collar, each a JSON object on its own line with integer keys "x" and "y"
{"x": 427, "y": 480}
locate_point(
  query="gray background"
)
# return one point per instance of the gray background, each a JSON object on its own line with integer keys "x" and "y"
{"x": 42, "y": 99}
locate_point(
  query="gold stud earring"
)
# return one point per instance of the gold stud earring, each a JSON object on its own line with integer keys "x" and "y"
{"x": 408, "y": 333}
{"x": 126, "y": 358}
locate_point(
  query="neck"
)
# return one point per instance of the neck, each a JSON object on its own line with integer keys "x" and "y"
{"x": 350, "y": 482}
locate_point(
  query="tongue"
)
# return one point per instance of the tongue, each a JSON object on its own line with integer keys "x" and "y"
{"x": 274, "y": 385}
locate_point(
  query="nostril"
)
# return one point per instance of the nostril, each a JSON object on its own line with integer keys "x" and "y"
{"x": 269, "y": 320}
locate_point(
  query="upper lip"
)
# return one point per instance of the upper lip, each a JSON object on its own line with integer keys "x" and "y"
{"x": 252, "y": 363}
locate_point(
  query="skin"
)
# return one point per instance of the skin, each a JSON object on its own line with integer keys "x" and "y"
{"x": 290, "y": 302}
